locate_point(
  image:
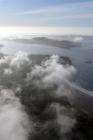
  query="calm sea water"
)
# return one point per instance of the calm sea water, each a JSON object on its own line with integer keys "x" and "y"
{"x": 81, "y": 57}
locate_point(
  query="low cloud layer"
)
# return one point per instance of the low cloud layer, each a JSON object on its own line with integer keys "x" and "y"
{"x": 13, "y": 69}
{"x": 14, "y": 122}
{"x": 51, "y": 73}
{"x": 29, "y": 98}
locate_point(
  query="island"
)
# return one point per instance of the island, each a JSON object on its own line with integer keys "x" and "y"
{"x": 49, "y": 42}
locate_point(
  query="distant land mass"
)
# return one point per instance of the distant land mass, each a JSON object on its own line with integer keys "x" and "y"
{"x": 49, "y": 42}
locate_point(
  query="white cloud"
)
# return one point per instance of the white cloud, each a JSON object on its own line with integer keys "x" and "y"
{"x": 65, "y": 117}
{"x": 77, "y": 39}
{"x": 8, "y": 71}
{"x": 50, "y": 74}
{"x": 14, "y": 122}
{"x": 13, "y": 69}
{"x": 20, "y": 60}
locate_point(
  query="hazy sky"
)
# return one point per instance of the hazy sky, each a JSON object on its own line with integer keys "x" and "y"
{"x": 77, "y": 14}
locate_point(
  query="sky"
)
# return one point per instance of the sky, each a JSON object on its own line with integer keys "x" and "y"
{"x": 48, "y": 15}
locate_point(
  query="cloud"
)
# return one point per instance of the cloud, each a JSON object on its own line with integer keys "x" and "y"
{"x": 14, "y": 122}
{"x": 42, "y": 116}
{"x": 51, "y": 73}
{"x": 65, "y": 119}
{"x": 30, "y": 98}
{"x": 53, "y": 77}
{"x": 8, "y": 71}
{"x": 78, "y": 39}
{"x": 20, "y": 61}
{"x": 13, "y": 69}
{"x": 18, "y": 70}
